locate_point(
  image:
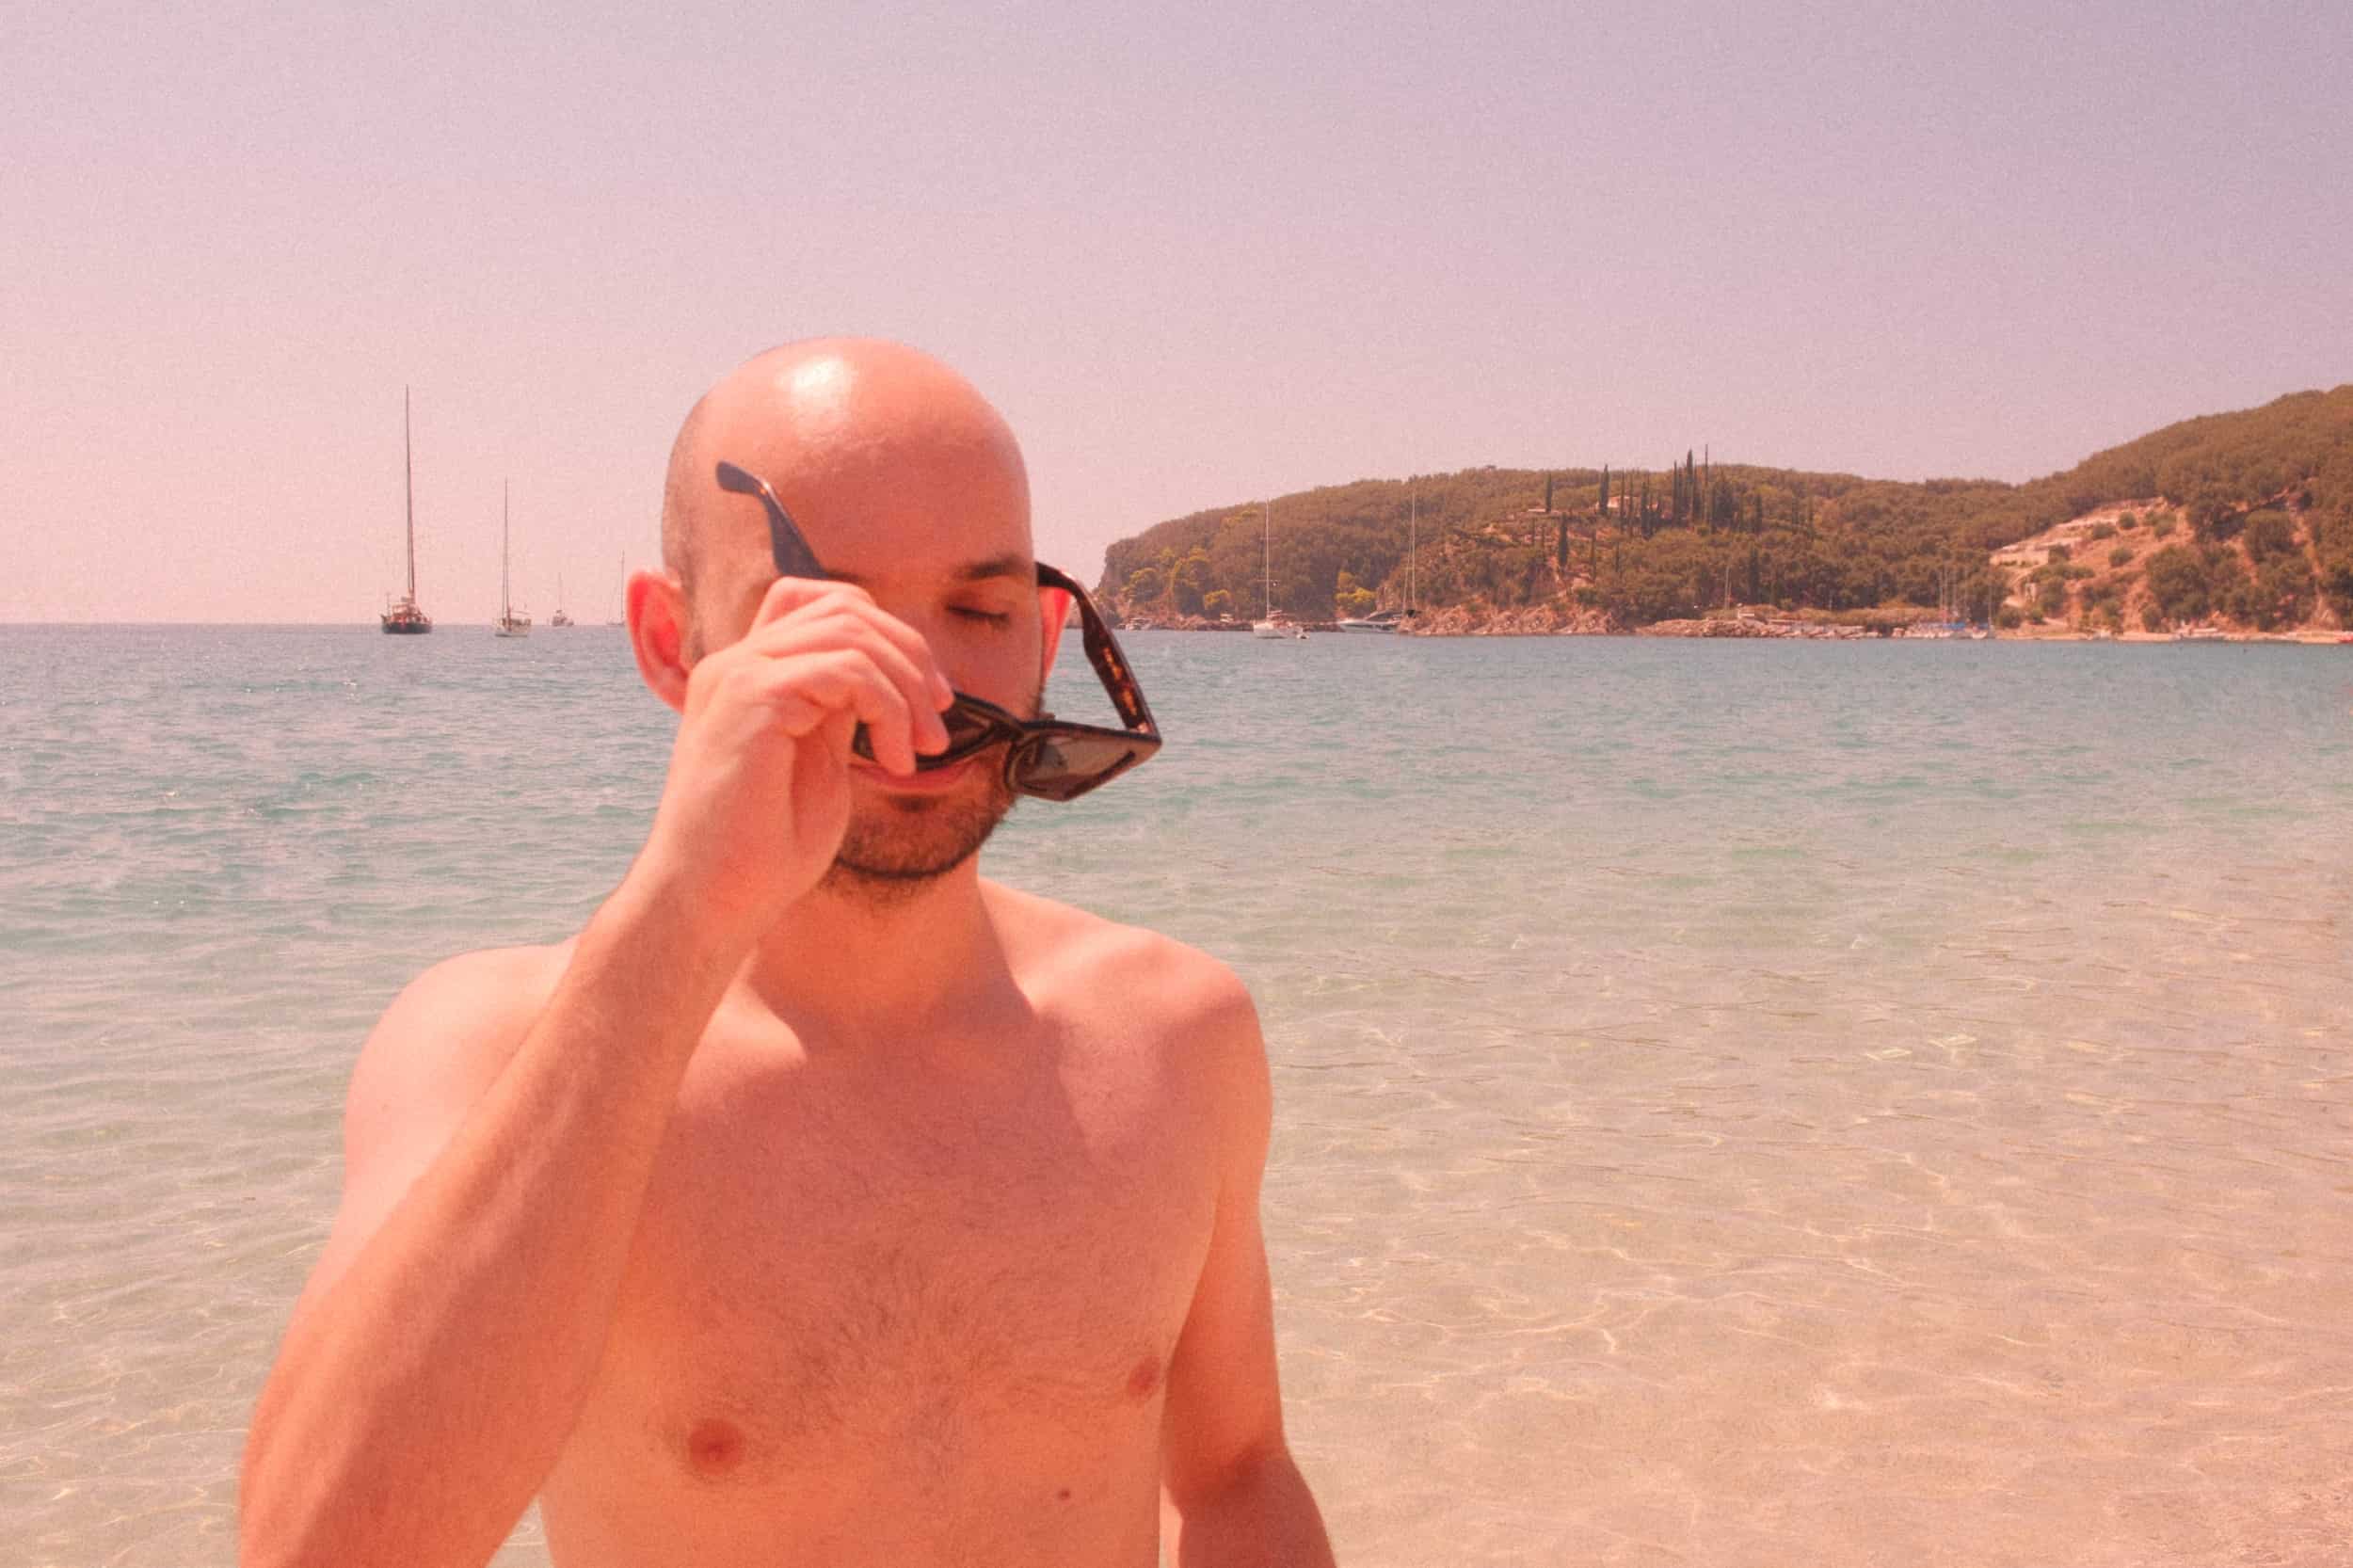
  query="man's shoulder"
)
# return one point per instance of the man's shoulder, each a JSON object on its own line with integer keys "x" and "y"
{"x": 458, "y": 1022}
{"x": 482, "y": 987}
{"x": 1153, "y": 979}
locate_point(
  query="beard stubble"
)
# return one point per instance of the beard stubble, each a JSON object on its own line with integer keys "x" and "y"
{"x": 899, "y": 844}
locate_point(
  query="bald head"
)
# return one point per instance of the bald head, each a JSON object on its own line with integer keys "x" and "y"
{"x": 876, "y": 449}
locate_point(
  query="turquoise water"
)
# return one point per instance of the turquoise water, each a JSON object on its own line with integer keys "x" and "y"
{"x": 1737, "y": 1102}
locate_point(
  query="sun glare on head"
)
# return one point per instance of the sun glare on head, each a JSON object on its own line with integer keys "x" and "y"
{"x": 818, "y": 388}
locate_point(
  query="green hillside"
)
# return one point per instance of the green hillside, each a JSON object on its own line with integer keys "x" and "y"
{"x": 2256, "y": 508}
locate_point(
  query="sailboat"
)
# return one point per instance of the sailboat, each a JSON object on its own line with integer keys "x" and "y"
{"x": 1270, "y": 627}
{"x": 559, "y": 619}
{"x": 402, "y": 618}
{"x": 509, "y": 624}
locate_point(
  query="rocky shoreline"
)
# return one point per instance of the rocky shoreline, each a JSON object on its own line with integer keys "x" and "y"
{"x": 1556, "y": 620}
{"x": 1535, "y": 620}
{"x": 1752, "y": 627}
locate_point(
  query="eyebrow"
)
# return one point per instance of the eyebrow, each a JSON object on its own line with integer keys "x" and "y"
{"x": 1008, "y": 565}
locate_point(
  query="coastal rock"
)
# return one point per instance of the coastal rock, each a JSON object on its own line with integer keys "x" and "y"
{"x": 1559, "y": 617}
{"x": 1725, "y": 627}
{"x": 1747, "y": 626}
{"x": 1552, "y": 619}
{"x": 1170, "y": 621}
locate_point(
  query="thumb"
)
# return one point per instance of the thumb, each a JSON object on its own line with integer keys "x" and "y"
{"x": 837, "y": 732}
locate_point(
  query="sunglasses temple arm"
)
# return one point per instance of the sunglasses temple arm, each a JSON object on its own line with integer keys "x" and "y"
{"x": 1104, "y": 652}
{"x": 792, "y": 554}
{"x": 786, "y": 546}
{"x": 1107, "y": 656}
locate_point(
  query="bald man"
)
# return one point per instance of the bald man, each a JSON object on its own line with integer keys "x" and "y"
{"x": 819, "y": 1202}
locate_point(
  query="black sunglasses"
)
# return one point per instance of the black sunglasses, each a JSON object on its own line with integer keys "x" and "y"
{"x": 1047, "y": 758}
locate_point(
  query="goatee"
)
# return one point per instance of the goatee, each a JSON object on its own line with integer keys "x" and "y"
{"x": 906, "y": 842}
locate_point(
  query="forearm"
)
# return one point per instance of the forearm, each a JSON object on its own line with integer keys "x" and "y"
{"x": 417, "y": 1405}
{"x": 1261, "y": 1516}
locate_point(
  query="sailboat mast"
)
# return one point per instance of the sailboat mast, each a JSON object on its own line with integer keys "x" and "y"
{"x": 505, "y": 611}
{"x": 1413, "y": 554}
{"x": 1266, "y": 546}
{"x": 409, "y": 491}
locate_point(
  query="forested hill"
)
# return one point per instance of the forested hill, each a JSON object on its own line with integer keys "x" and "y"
{"x": 2256, "y": 508}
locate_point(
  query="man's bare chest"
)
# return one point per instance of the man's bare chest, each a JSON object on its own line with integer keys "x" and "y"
{"x": 828, "y": 1265}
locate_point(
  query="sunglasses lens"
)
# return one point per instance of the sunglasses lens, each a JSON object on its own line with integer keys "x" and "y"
{"x": 1066, "y": 766}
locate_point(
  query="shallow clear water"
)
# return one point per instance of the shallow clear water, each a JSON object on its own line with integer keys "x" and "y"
{"x": 1738, "y": 1103}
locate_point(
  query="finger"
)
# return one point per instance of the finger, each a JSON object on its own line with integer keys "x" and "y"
{"x": 820, "y": 766}
{"x": 787, "y": 594}
{"x": 806, "y": 691}
{"x": 932, "y": 691}
{"x": 792, "y": 597}
{"x": 883, "y": 638}
{"x": 828, "y": 632}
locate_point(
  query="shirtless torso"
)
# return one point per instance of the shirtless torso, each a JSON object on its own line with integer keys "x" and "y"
{"x": 818, "y": 1203}
{"x": 941, "y": 1274}
{"x": 911, "y": 1300}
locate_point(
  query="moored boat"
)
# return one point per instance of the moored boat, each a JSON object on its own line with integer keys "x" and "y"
{"x": 402, "y": 618}
{"x": 510, "y": 622}
{"x": 1272, "y": 627}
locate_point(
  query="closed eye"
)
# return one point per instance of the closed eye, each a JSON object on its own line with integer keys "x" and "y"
{"x": 986, "y": 617}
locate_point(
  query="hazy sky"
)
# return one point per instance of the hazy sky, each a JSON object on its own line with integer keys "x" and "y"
{"x": 1197, "y": 253}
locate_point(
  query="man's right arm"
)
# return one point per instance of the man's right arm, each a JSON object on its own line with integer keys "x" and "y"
{"x": 448, "y": 1338}
{"x": 501, "y": 1133}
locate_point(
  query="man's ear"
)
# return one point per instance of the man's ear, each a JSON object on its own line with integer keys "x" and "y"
{"x": 658, "y": 616}
{"x": 1053, "y": 610}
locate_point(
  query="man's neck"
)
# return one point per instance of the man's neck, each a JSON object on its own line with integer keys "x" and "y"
{"x": 883, "y": 958}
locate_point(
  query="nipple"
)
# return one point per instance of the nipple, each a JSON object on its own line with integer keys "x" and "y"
{"x": 714, "y": 1448}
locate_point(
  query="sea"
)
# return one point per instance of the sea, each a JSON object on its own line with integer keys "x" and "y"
{"x": 1742, "y": 1103}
